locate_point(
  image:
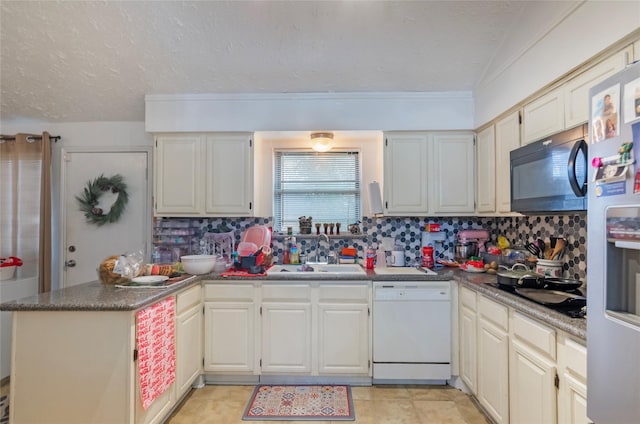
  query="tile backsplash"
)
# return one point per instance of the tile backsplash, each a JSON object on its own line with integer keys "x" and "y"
{"x": 408, "y": 232}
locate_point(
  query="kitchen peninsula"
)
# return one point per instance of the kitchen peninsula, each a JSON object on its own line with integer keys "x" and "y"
{"x": 74, "y": 351}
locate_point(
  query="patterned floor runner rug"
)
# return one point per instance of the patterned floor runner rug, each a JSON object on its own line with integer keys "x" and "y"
{"x": 298, "y": 403}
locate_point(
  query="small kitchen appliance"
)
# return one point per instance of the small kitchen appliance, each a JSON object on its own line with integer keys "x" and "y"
{"x": 397, "y": 256}
{"x": 470, "y": 243}
{"x": 433, "y": 239}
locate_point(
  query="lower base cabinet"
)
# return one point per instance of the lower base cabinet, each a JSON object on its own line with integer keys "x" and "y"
{"x": 493, "y": 359}
{"x": 230, "y": 328}
{"x": 188, "y": 338}
{"x": 287, "y": 328}
{"x": 468, "y": 325}
{"x": 521, "y": 370}
{"x": 286, "y": 337}
{"x": 343, "y": 330}
{"x": 532, "y": 371}
{"x": 572, "y": 390}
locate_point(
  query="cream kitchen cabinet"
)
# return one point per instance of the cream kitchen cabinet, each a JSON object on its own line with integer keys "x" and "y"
{"x": 188, "y": 338}
{"x": 203, "y": 174}
{"x": 572, "y": 390}
{"x": 231, "y": 328}
{"x": 544, "y": 116}
{"x": 493, "y": 359}
{"x": 453, "y": 164}
{"x": 429, "y": 173}
{"x": 468, "y": 339}
{"x": 532, "y": 371}
{"x": 406, "y": 185}
{"x": 507, "y": 139}
{"x": 286, "y": 329}
{"x": 178, "y": 182}
{"x": 275, "y": 328}
{"x": 567, "y": 105}
{"x": 343, "y": 329}
{"x": 576, "y": 100}
{"x": 520, "y": 370}
{"x": 486, "y": 166}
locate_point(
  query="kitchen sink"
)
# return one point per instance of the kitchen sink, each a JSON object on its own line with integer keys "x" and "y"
{"x": 350, "y": 269}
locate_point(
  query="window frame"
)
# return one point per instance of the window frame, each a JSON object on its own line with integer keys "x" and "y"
{"x": 360, "y": 194}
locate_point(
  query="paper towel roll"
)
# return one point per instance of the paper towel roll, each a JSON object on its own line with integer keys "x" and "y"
{"x": 375, "y": 199}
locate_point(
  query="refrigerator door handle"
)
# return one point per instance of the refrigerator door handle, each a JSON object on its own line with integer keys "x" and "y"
{"x": 579, "y": 190}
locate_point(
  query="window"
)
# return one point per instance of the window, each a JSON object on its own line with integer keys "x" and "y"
{"x": 325, "y": 186}
{"x": 20, "y": 206}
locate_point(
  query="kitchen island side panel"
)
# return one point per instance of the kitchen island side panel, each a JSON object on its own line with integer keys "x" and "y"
{"x": 72, "y": 367}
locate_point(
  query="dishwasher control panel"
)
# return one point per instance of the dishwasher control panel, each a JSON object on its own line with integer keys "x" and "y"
{"x": 394, "y": 291}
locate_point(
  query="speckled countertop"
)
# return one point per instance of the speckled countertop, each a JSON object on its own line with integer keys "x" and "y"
{"x": 95, "y": 296}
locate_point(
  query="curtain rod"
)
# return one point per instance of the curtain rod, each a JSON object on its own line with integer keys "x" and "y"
{"x": 30, "y": 138}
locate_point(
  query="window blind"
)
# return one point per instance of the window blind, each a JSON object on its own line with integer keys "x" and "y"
{"x": 20, "y": 208}
{"x": 325, "y": 186}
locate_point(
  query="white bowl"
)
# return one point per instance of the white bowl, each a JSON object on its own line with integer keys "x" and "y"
{"x": 198, "y": 264}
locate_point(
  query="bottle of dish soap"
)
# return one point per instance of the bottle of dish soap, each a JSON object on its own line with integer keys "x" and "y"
{"x": 295, "y": 254}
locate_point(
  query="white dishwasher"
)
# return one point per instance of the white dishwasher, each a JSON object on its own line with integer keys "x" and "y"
{"x": 411, "y": 331}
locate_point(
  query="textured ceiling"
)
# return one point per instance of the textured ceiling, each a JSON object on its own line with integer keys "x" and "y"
{"x": 95, "y": 61}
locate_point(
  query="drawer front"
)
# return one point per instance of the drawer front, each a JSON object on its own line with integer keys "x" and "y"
{"x": 188, "y": 298}
{"x": 576, "y": 357}
{"x": 232, "y": 291}
{"x": 494, "y": 312}
{"x": 468, "y": 298}
{"x": 534, "y": 334}
{"x": 286, "y": 292}
{"x": 344, "y": 293}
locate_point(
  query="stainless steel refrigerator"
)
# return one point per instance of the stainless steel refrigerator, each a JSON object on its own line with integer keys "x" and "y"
{"x": 613, "y": 250}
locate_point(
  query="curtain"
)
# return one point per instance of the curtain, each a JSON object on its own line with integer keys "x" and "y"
{"x": 25, "y": 204}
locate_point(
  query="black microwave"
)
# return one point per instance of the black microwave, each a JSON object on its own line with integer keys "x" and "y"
{"x": 550, "y": 175}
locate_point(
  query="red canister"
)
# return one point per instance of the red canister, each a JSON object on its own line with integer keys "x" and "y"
{"x": 427, "y": 257}
{"x": 371, "y": 257}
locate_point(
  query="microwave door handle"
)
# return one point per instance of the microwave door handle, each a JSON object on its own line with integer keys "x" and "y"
{"x": 580, "y": 146}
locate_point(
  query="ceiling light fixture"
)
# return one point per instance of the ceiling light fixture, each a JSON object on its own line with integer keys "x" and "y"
{"x": 321, "y": 141}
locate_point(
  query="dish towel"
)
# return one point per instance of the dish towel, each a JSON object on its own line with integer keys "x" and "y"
{"x": 156, "y": 349}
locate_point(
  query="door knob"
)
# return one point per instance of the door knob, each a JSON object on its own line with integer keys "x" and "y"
{"x": 70, "y": 263}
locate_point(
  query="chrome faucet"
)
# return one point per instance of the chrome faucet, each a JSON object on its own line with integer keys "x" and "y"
{"x": 326, "y": 237}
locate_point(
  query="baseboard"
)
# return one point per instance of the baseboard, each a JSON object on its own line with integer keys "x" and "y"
{"x": 305, "y": 379}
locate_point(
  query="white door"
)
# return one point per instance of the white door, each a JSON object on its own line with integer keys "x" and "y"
{"x": 85, "y": 244}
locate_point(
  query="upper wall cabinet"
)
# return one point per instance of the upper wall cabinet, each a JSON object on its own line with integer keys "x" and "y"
{"x": 428, "y": 173}
{"x": 507, "y": 139}
{"x": 544, "y": 116}
{"x": 204, "y": 174}
{"x": 486, "y": 181}
{"x": 406, "y": 191}
{"x": 568, "y": 105}
{"x": 576, "y": 90}
{"x": 453, "y": 164}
